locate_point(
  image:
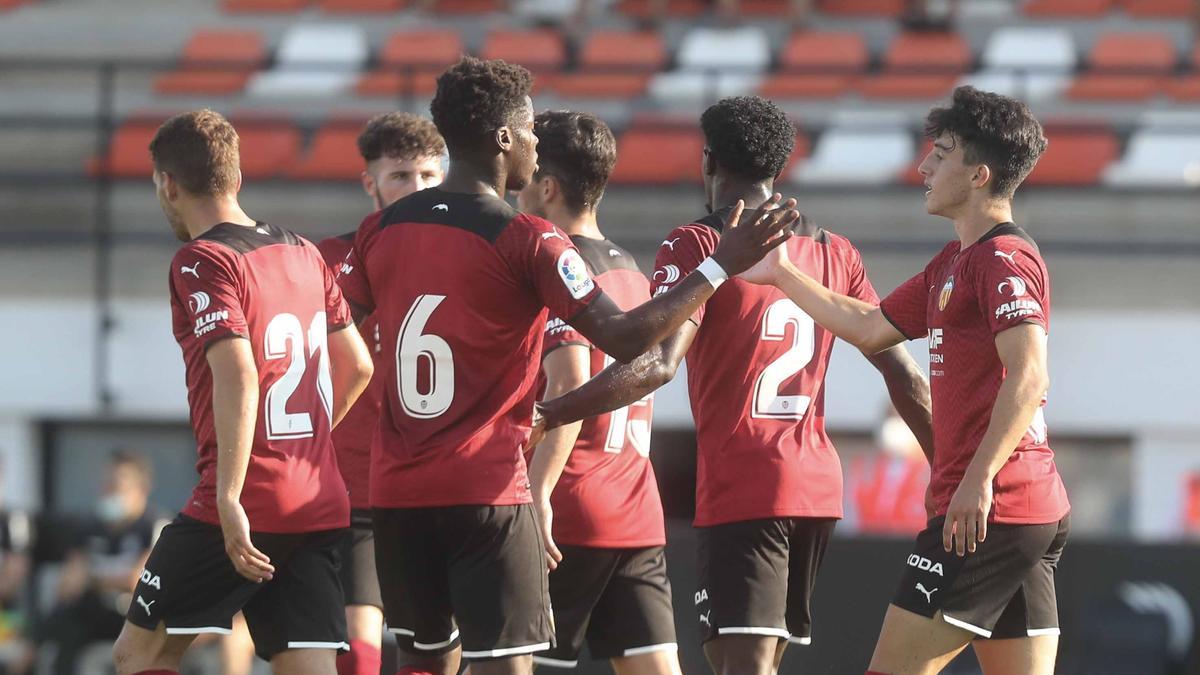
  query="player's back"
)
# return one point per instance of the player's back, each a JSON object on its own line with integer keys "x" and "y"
{"x": 459, "y": 284}
{"x": 607, "y": 495}
{"x": 271, "y": 287}
{"x": 756, "y": 377}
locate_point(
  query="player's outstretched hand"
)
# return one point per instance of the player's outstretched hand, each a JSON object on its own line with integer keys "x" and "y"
{"x": 247, "y": 560}
{"x": 966, "y": 518}
{"x": 545, "y": 518}
{"x": 747, "y": 240}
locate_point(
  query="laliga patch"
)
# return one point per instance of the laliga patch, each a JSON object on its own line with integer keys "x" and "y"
{"x": 574, "y": 274}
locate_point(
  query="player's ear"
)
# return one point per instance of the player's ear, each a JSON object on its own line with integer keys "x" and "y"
{"x": 550, "y": 188}
{"x": 981, "y": 176}
{"x": 368, "y": 184}
{"x": 708, "y": 164}
{"x": 237, "y": 185}
{"x": 504, "y": 138}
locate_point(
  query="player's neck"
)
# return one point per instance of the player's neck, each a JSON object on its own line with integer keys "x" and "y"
{"x": 979, "y": 220}
{"x": 475, "y": 177}
{"x": 203, "y": 215}
{"x": 576, "y": 224}
{"x": 728, "y": 191}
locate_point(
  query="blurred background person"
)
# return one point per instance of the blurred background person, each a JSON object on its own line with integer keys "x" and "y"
{"x": 888, "y": 486}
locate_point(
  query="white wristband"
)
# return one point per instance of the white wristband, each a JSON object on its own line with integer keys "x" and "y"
{"x": 712, "y": 271}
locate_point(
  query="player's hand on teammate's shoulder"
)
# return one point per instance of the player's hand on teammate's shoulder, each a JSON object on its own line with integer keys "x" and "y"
{"x": 235, "y": 527}
{"x": 746, "y": 239}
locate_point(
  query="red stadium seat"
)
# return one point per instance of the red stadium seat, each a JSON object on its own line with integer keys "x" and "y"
{"x": 1075, "y": 157}
{"x": 6, "y": 5}
{"x": 910, "y": 176}
{"x": 431, "y": 50}
{"x": 658, "y": 156}
{"x": 919, "y": 66}
{"x": 625, "y": 50}
{"x": 360, "y": 6}
{"x": 537, "y": 50}
{"x": 601, "y": 84}
{"x": 792, "y": 85}
{"x": 215, "y": 62}
{"x": 1126, "y": 66}
{"x": 817, "y": 65}
{"x": 1072, "y": 9}
{"x": 1156, "y": 9}
{"x": 764, "y": 7}
{"x": 801, "y": 151}
{"x": 644, "y": 9}
{"x": 129, "y": 150}
{"x": 264, "y": 6}
{"x": 268, "y": 146}
{"x": 332, "y": 154}
{"x": 1185, "y": 88}
{"x": 467, "y": 6}
{"x": 882, "y": 8}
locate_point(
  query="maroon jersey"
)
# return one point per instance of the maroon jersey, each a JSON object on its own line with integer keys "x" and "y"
{"x": 961, "y": 301}
{"x": 607, "y": 496}
{"x": 271, "y": 287}
{"x": 756, "y": 379}
{"x": 353, "y": 436}
{"x": 460, "y": 284}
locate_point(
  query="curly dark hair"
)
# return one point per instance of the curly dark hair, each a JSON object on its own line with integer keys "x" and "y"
{"x": 579, "y": 150}
{"x": 475, "y": 97}
{"x": 994, "y": 130}
{"x": 749, "y": 136}
{"x": 400, "y": 134}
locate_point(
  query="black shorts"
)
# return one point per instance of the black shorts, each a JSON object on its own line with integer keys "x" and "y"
{"x": 190, "y": 585}
{"x": 478, "y": 569}
{"x": 617, "y": 599}
{"x": 357, "y": 572}
{"x": 756, "y": 577}
{"x": 1005, "y": 589}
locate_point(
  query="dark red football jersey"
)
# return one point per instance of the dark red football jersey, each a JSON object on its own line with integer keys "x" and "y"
{"x": 353, "y": 436}
{"x": 960, "y": 302}
{"x": 756, "y": 379}
{"x": 460, "y": 285}
{"x": 271, "y": 287}
{"x": 607, "y": 496}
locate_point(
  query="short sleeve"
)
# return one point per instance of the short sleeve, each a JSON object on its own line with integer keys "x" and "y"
{"x": 680, "y": 253}
{"x": 352, "y": 273}
{"x": 906, "y": 307}
{"x": 559, "y": 333}
{"x": 1012, "y": 285}
{"x": 207, "y": 287}
{"x": 859, "y": 285}
{"x": 337, "y": 312}
{"x": 545, "y": 256}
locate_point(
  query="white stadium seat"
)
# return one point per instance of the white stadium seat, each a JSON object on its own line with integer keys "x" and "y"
{"x": 1158, "y": 158}
{"x": 1031, "y": 63}
{"x": 850, "y": 155}
{"x": 314, "y": 60}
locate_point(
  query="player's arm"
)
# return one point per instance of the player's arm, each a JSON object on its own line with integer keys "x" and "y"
{"x": 618, "y": 385}
{"x": 235, "y": 412}
{"x": 626, "y": 335}
{"x": 860, "y": 323}
{"x": 909, "y": 391}
{"x": 1022, "y": 351}
{"x": 566, "y": 368}
{"x": 350, "y": 363}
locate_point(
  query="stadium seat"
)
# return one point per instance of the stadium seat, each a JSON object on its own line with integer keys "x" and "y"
{"x": 744, "y": 49}
{"x": 360, "y": 6}
{"x": 264, "y": 6}
{"x": 267, "y": 146}
{"x": 1185, "y": 88}
{"x": 848, "y": 155}
{"x": 881, "y": 8}
{"x": 1075, "y": 157}
{"x": 644, "y": 9}
{"x": 410, "y": 61}
{"x": 1068, "y": 9}
{"x": 332, "y": 154}
{"x": 215, "y": 62}
{"x": 467, "y": 6}
{"x": 614, "y": 64}
{"x": 920, "y": 66}
{"x": 1158, "y": 9}
{"x": 1028, "y": 62}
{"x": 658, "y": 156}
{"x": 1126, "y": 66}
{"x": 6, "y": 5}
{"x": 1158, "y": 158}
{"x": 314, "y": 60}
{"x": 691, "y": 88}
{"x": 539, "y": 50}
{"x": 817, "y": 65}
{"x": 602, "y": 85}
{"x": 129, "y": 149}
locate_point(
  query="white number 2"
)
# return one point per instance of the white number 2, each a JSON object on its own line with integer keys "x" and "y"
{"x": 621, "y": 428}
{"x": 284, "y": 338}
{"x": 414, "y": 346}
{"x": 769, "y": 402}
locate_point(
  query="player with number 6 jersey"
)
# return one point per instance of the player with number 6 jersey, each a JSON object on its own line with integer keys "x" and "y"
{"x": 272, "y": 363}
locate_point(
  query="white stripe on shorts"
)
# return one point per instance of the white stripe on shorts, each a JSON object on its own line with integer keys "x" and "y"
{"x": 754, "y": 630}
{"x": 1034, "y": 632}
{"x": 800, "y": 640}
{"x": 492, "y": 653}
{"x": 554, "y": 663}
{"x": 426, "y": 646}
{"x": 966, "y": 626}
{"x": 317, "y": 645}
{"x": 197, "y": 631}
{"x": 664, "y": 647}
